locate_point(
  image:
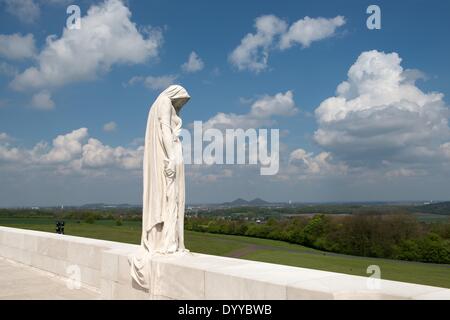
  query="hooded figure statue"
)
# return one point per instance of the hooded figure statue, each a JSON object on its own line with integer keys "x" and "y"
{"x": 164, "y": 194}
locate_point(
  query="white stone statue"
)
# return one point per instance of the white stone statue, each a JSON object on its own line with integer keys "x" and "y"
{"x": 164, "y": 194}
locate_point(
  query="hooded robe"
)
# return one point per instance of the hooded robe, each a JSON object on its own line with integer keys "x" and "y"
{"x": 163, "y": 196}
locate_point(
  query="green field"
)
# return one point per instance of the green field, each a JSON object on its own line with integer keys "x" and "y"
{"x": 253, "y": 249}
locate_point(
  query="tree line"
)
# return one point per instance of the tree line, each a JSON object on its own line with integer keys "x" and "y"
{"x": 392, "y": 236}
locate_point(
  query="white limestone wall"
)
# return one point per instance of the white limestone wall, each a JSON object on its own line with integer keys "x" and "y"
{"x": 103, "y": 265}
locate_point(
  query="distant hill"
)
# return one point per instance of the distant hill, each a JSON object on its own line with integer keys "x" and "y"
{"x": 237, "y": 202}
{"x": 258, "y": 202}
{"x": 242, "y": 202}
{"x": 435, "y": 208}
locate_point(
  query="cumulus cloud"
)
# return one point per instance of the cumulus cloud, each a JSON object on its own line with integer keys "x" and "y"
{"x": 9, "y": 154}
{"x": 379, "y": 124}
{"x": 193, "y": 64}
{"x": 65, "y": 147}
{"x": 307, "y": 30}
{"x": 16, "y": 46}
{"x": 309, "y": 164}
{"x": 110, "y": 126}
{"x": 73, "y": 153}
{"x": 261, "y": 113}
{"x": 154, "y": 82}
{"x": 272, "y": 32}
{"x": 105, "y": 39}
{"x": 42, "y": 100}
{"x": 379, "y": 116}
{"x": 97, "y": 155}
{"x": 253, "y": 51}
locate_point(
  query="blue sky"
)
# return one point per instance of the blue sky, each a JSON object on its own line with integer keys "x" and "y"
{"x": 388, "y": 143}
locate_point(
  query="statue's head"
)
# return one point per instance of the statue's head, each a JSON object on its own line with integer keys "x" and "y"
{"x": 178, "y": 95}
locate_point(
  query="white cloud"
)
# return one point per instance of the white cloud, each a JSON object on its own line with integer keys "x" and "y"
{"x": 71, "y": 153}
{"x": 272, "y": 32}
{"x": 378, "y": 125}
{"x": 193, "y": 64}
{"x": 154, "y": 82}
{"x": 98, "y": 155}
{"x": 110, "y": 126}
{"x": 307, "y": 30}
{"x": 261, "y": 113}
{"x": 42, "y": 100}
{"x": 310, "y": 164}
{"x": 107, "y": 37}
{"x": 26, "y": 10}
{"x": 66, "y": 147}
{"x": 9, "y": 154}
{"x": 253, "y": 51}
{"x": 15, "y": 46}
{"x": 380, "y": 116}
{"x": 277, "y": 105}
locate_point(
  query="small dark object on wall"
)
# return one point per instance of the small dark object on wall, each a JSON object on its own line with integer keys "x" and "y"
{"x": 60, "y": 227}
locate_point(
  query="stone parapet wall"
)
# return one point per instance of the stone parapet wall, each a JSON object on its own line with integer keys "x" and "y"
{"x": 103, "y": 265}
